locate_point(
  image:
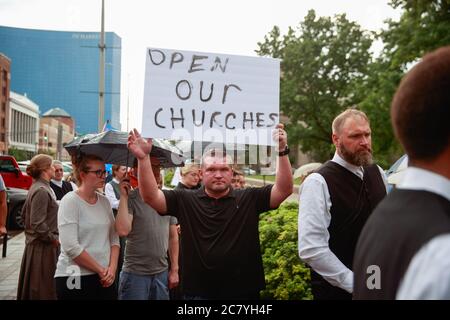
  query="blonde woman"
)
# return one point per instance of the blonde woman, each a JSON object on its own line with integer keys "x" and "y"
{"x": 87, "y": 264}
{"x": 190, "y": 177}
{"x": 41, "y": 231}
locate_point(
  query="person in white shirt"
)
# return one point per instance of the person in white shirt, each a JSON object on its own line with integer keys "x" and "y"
{"x": 112, "y": 190}
{"x": 59, "y": 186}
{"x": 87, "y": 264}
{"x": 334, "y": 204}
{"x": 405, "y": 244}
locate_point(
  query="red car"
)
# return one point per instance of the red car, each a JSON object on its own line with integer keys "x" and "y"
{"x": 11, "y": 174}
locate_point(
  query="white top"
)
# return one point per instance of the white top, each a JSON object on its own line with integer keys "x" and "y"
{"x": 313, "y": 221}
{"x": 109, "y": 193}
{"x": 84, "y": 226}
{"x": 427, "y": 276}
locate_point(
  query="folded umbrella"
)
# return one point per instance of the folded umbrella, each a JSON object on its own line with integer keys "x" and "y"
{"x": 111, "y": 146}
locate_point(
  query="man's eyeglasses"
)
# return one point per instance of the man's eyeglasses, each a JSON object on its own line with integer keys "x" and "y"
{"x": 99, "y": 173}
{"x": 58, "y": 170}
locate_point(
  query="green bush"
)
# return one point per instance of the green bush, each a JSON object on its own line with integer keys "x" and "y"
{"x": 19, "y": 155}
{"x": 287, "y": 278}
{"x": 168, "y": 175}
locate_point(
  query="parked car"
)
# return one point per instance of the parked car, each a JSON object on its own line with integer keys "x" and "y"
{"x": 12, "y": 175}
{"x": 267, "y": 171}
{"x": 15, "y": 200}
{"x": 23, "y": 165}
{"x": 248, "y": 171}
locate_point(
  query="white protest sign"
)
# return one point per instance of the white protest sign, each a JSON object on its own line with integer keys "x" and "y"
{"x": 201, "y": 96}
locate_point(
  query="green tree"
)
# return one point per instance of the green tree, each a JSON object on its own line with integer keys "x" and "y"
{"x": 19, "y": 155}
{"x": 424, "y": 25}
{"x": 379, "y": 90}
{"x": 323, "y": 63}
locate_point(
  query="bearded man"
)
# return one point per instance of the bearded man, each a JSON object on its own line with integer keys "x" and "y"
{"x": 335, "y": 202}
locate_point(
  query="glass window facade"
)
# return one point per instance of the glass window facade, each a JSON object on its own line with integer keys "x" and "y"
{"x": 61, "y": 69}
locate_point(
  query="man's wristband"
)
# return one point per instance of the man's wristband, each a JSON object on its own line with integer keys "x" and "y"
{"x": 285, "y": 152}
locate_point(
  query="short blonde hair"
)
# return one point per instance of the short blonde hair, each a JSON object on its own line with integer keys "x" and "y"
{"x": 188, "y": 168}
{"x": 339, "y": 121}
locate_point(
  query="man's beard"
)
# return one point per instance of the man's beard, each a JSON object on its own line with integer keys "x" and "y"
{"x": 358, "y": 158}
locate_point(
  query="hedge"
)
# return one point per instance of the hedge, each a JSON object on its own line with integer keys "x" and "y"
{"x": 287, "y": 278}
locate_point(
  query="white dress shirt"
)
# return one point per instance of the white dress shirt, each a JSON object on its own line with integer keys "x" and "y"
{"x": 313, "y": 221}
{"x": 109, "y": 193}
{"x": 427, "y": 276}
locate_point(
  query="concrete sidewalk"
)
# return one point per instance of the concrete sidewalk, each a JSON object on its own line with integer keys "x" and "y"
{"x": 10, "y": 267}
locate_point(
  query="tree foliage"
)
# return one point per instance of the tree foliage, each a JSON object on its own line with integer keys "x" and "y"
{"x": 327, "y": 66}
{"x": 323, "y": 62}
{"x": 287, "y": 278}
{"x": 19, "y": 155}
{"x": 423, "y": 26}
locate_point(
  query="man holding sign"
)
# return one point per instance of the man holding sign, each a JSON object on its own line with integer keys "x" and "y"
{"x": 221, "y": 251}
{"x": 199, "y": 96}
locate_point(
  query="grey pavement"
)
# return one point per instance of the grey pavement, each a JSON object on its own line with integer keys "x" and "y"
{"x": 10, "y": 267}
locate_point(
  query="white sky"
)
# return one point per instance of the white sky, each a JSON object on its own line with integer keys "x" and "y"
{"x": 231, "y": 26}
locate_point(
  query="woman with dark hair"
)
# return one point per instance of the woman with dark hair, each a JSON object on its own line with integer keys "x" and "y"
{"x": 41, "y": 231}
{"x": 87, "y": 264}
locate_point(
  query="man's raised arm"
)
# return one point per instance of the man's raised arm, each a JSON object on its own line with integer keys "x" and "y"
{"x": 284, "y": 183}
{"x": 148, "y": 188}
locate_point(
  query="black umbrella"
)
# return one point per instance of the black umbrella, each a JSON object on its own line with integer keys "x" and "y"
{"x": 111, "y": 146}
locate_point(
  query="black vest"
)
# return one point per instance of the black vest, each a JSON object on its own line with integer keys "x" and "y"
{"x": 116, "y": 189}
{"x": 402, "y": 223}
{"x": 60, "y": 192}
{"x": 352, "y": 202}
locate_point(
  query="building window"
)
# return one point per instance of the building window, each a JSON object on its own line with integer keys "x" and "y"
{"x": 5, "y": 75}
{"x": 4, "y": 106}
{"x": 4, "y": 91}
{"x": 2, "y": 137}
{"x": 3, "y": 123}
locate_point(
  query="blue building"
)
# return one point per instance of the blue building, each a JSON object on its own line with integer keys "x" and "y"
{"x": 61, "y": 69}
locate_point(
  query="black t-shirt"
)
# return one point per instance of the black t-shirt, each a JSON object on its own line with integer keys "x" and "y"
{"x": 220, "y": 240}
